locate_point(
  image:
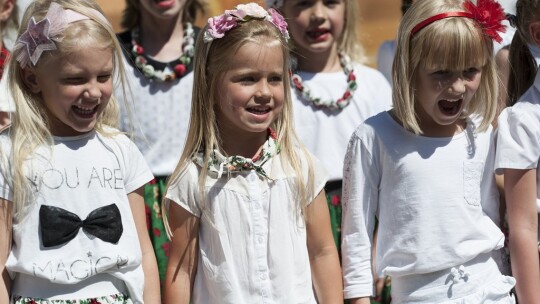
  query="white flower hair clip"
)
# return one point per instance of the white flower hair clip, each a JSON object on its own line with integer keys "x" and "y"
{"x": 41, "y": 36}
{"x": 219, "y": 25}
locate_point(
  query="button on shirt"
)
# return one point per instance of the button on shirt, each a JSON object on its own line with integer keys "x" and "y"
{"x": 252, "y": 238}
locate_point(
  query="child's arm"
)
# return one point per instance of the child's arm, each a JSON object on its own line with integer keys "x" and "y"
{"x": 149, "y": 264}
{"x": 323, "y": 254}
{"x": 520, "y": 192}
{"x": 5, "y": 247}
{"x": 183, "y": 255}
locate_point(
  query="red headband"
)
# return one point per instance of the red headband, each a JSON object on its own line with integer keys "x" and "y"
{"x": 487, "y": 13}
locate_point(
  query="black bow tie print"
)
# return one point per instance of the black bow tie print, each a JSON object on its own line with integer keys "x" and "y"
{"x": 59, "y": 226}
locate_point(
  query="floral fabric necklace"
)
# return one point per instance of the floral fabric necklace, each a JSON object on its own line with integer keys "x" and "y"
{"x": 220, "y": 164}
{"x": 180, "y": 66}
{"x": 343, "y": 101}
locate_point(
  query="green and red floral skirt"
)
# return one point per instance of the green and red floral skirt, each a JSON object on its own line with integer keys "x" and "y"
{"x": 153, "y": 193}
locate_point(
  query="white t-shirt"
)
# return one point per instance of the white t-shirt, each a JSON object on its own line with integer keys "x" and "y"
{"x": 430, "y": 195}
{"x": 83, "y": 173}
{"x": 252, "y": 240}
{"x": 518, "y": 140}
{"x": 160, "y": 118}
{"x": 325, "y": 132}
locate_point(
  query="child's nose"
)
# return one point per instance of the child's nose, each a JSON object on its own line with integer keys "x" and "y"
{"x": 92, "y": 92}
{"x": 458, "y": 86}
{"x": 317, "y": 13}
{"x": 264, "y": 90}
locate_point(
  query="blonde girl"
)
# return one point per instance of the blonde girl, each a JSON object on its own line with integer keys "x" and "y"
{"x": 246, "y": 203}
{"x": 518, "y": 151}
{"x": 159, "y": 45}
{"x": 73, "y": 220}
{"x": 424, "y": 170}
{"x": 333, "y": 92}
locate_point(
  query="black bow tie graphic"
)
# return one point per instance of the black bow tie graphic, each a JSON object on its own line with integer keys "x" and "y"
{"x": 59, "y": 226}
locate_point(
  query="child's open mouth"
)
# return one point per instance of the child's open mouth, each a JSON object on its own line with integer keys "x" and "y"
{"x": 85, "y": 112}
{"x": 318, "y": 33}
{"x": 450, "y": 107}
{"x": 259, "y": 111}
{"x": 164, "y": 3}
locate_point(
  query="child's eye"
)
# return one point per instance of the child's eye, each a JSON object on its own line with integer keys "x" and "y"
{"x": 277, "y": 78}
{"x": 104, "y": 78}
{"x": 332, "y": 2}
{"x": 470, "y": 72}
{"x": 73, "y": 80}
{"x": 247, "y": 79}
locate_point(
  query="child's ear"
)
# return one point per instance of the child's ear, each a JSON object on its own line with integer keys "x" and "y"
{"x": 534, "y": 31}
{"x": 6, "y": 10}
{"x": 30, "y": 80}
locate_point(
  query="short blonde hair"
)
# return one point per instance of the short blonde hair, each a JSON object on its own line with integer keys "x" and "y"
{"x": 130, "y": 16}
{"x": 30, "y": 128}
{"x": 453, "y": 44}
{"x": 212, "y": 61}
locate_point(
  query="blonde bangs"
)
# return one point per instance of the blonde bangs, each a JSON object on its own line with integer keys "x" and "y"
{"x": 453, "y": 44}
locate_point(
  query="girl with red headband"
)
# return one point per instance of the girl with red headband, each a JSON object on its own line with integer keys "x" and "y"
{"x": 424, "y": 168}
{"x": 518, "y": 152}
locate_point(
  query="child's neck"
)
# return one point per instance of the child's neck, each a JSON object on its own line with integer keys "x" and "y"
{"x": 162, "y": 40}
{"x": 432, "y": 129}
{"x": 244, "y": 144}
{"x": 322, "y": 62}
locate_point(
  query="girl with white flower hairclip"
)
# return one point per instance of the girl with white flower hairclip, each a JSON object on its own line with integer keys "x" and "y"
{"x": 332, "y": 90}
{"x": 246, "y": 205}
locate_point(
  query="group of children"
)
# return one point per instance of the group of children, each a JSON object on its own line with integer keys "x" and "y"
{"x": 251, "y": 139}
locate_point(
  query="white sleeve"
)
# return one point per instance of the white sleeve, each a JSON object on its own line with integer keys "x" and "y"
{"x": 518, "y": 144}
{"x": 184, "y": 191}
{"x": 360, "y": 200}
{"x": 137, "y": 173}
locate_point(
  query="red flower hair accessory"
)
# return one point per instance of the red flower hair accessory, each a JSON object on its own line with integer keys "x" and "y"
{"x": 487, "y": 13}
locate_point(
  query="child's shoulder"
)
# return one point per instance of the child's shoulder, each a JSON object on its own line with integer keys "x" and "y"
{"x": 370, "y": 74}
{"x": 375, "y": 124}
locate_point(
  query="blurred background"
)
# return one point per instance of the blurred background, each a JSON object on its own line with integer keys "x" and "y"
{"x": 377, "y": 22}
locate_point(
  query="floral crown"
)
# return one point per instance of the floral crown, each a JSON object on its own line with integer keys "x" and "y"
{"x": 41, "y": 36}
{"x": 487, "y": 13}
{"x": 219, "y": 25}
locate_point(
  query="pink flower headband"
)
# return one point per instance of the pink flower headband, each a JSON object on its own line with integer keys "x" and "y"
{"x": 488, "y": 14}
{"x": 219, "y": 25}
{"x": 41, "y": 36}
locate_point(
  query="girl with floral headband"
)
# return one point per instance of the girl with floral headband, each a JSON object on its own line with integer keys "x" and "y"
{"x": 333, "y": 92}
{"x": 518, "y": 150}
{"x": 159, "y": 47}
{"x": 246, "y": 205}
{"x": 72, "y": 215}
{"x": 424, "y": 170}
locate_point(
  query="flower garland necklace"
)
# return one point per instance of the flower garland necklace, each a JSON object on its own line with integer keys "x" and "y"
{"x": 220, "y": 164}
{"x": 178, "y": 71}
{"x": 342, "y": 102}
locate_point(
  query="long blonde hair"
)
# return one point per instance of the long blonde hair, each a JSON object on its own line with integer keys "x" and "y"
{"x": 523, "y": 66}
{"x": 211, "y": 62}
{"x": 30, "y": 125}
{"x": 453, "y": 44}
